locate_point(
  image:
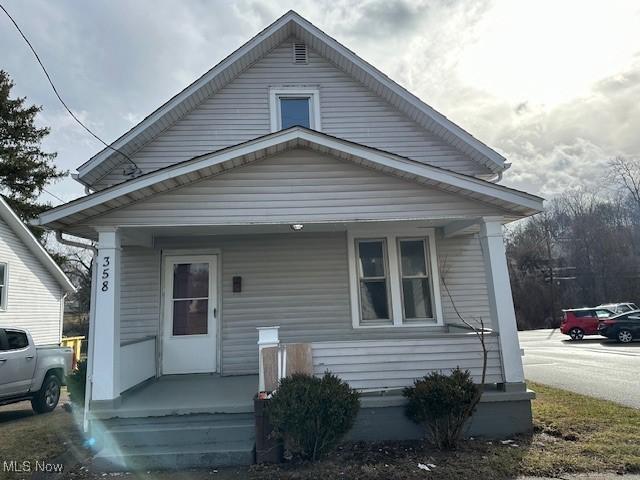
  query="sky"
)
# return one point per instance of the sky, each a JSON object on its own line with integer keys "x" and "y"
{"x": 552, "y": 85}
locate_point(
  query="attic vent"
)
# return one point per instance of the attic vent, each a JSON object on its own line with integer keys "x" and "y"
{"x": 300, "y": 53}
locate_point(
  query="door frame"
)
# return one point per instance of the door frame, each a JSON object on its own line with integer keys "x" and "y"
{"x": 187, "y": 252}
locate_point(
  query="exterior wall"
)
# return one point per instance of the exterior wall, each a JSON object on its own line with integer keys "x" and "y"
{"x": 298, "y": 281}
{"x": 462, "y": 269}
{"x": 139, "y": 293}
{"x": 392, "y": 364}
{"x": 34, "y": 299}
{"x": 240, "y": 112}
{"x": 292, "y": 187}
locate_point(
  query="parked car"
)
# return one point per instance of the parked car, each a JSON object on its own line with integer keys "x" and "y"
{"x": 31, "y": 373}
{"x": 578, "y": 322}
{"x": 623, "y": 328}
{"x": 619, "y": 307}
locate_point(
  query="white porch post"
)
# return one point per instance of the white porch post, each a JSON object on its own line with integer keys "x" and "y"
{"x": 106, "y": 354}
{"x": 500, "y": 298}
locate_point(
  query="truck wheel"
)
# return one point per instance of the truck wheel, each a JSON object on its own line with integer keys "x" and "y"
{"x": 46, "y": 399}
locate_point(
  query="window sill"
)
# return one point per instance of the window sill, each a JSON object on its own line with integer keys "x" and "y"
{"x": 432, "y": 324}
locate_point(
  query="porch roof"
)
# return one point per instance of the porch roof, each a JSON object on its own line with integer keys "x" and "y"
{"x": 518, "y": 204}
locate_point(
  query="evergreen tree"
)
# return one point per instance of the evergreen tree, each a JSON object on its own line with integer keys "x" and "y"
{"x": 24, "y": 168}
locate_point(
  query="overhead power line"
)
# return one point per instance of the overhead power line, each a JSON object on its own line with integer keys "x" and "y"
{"x": 55, "y": 90}
{"x": 53, "y": 195}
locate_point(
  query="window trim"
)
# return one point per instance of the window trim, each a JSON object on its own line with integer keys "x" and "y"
{"x": 386, "y": 278}
{"x": 395, "y": 297}
{"x": 5, "y": 284}
{"x": 313, "y": 94}
{"x": 427, "y": 262}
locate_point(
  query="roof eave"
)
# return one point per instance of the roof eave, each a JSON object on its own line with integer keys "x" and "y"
{"x": 32, "y": 243}
{"x": 523, "y": 202}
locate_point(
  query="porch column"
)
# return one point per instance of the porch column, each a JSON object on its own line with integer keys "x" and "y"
{"x": 500, "y": 297}
{"x": 106, "y": 349}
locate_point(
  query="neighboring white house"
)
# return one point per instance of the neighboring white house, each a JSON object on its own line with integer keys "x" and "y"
{"x": 296, "y": 191}
{"x": 32, "y": 286}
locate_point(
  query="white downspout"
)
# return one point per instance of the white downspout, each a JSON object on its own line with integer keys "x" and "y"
{"x": 90, "y": 345}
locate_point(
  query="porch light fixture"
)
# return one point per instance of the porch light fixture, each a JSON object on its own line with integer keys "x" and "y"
{"x": 296, "y": 227}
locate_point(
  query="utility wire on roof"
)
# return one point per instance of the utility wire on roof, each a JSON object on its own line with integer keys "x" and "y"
{"x": 55, "y": 90}
{"x": 53, "y": 195}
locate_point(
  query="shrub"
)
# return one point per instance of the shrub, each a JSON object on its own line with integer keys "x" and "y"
{"x": 312, "y": 414}
{"x": 76, "y": 383}
{"x": 443, "y": 404}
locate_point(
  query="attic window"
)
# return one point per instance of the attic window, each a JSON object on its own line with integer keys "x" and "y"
{"x": 294, "y": 106}
{"x": 300, "y": 54}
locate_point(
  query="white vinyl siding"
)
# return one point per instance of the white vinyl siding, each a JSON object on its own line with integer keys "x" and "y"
{"x": 139, "y": 293}
{"x": 293, "y": 187}
{"x": 298, "y": 281}
{"x": 462, "y": 268}
{"x": 240, "y": 112}
{"x": 33, "y": 296}
{"x": 393, "y": 363}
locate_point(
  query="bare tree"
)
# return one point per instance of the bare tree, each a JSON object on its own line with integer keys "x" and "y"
{"x": 625, "y": 172}
{"x": 477, "y": 326}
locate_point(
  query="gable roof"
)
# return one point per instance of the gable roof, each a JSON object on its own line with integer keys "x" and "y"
{"x": 289, "y": 24}
{"x": 519, "y": 203}
{"x": 32, "y": 243}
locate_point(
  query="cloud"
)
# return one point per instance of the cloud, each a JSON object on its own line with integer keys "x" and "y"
{"x": 477, "y": 62}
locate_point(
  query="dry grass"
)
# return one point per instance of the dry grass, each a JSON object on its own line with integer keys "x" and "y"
{"x": 25, "y": 436}
{"x": 573, "y": 434}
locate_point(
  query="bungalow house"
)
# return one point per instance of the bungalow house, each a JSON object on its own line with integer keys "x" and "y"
{"x": 292, "y": 194}
{"x": 33, "y": 288}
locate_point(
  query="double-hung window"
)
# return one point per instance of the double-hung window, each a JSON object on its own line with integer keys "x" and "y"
{"x": 414, "y": 280}
{"x": 291, "y": 107}
{"x": 373, "y": 282}
{"x": 394, "y": 281}
{"x": 4, "y": 279}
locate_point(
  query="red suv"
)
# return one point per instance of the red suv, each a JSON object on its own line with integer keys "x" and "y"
{"x": 578, "y": 322}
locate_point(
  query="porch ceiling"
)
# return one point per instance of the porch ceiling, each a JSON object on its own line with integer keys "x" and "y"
{"x": 77, "y": 213}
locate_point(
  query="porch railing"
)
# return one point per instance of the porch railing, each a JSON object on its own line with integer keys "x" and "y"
{"x": 137, "y": 362}
{"x": 378, "y": 365}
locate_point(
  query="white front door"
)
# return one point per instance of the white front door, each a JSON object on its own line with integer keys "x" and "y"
{"x": 189, "y": 340}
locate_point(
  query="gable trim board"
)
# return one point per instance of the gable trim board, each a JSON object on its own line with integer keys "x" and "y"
{"x": 21, "y": 230}
{"x": 224, "y": 72}
{"x": 169, "y": 178}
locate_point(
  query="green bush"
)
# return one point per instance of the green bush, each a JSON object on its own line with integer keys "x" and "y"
{"x": 76, "y": 383}
{"x": 312, "y": 414}
{"x": 443, "y": 404}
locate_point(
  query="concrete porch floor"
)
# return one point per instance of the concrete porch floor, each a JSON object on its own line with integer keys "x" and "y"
{"x": 185, "y": 395}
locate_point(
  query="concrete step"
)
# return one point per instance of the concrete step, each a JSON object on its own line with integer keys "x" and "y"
{"x": 205, "y": 434}
{"x": 174, "y": 457}
{"x": 179, "y": 430}
{"x": 175, "y": 441}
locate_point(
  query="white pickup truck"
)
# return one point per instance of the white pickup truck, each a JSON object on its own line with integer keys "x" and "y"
{"x": 31, "y": 373}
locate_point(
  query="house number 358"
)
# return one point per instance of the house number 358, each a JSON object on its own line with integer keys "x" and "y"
{"x": 105, "y": 273}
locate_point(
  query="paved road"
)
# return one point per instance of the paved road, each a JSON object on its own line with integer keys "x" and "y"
{"x": 594, "y": 366}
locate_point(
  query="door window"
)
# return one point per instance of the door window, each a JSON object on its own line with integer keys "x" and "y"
{"x": 15, "y": 340}
{"x": 190, "y": 298}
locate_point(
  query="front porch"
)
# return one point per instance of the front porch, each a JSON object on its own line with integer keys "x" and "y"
{"x": 185, "y": 395}
{"x": 307, "y": 284}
